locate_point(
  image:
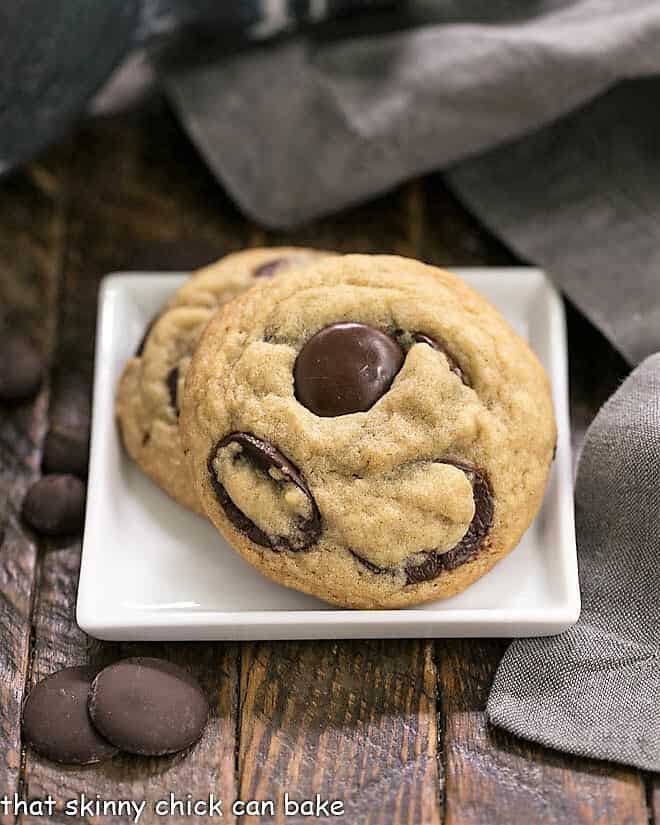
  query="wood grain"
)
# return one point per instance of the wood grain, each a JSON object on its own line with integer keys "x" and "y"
{"x": 390, "y": 224}
{"x": 492, "y": 778}
{"x": 352, "y": 721}
{"x": 31, "y": 219}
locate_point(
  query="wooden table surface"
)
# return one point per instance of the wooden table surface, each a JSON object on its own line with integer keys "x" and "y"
{"x": 396, "y": 729}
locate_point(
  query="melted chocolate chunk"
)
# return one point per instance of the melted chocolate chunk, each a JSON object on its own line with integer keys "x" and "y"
{"x": 172, "y": 382}
{"x": 468, "y": 547}
{"x": 56, "y": 722}
{"x": 420, "y": 338}
{"x": 265, "y": 457}
{"x": 433, "y": 563}
{"x": 345, "y": 368}
{"x": 268, "y": 269}
{"x": 148, "y": 706}
{"x": 371, "y": 567}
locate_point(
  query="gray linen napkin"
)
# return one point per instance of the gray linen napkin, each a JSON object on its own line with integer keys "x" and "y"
{"x": 342, "y": 117}
{"x": 347, "y": 115}
{"x": 595, "y": 689}
{"x": 582, "y": 200}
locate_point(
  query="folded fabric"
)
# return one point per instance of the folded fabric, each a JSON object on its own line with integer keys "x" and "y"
{"x": 595, "y": 689}
{"x": 582, "y": 200}
{"x": 303, "y": 127}
{"x": 54, "y": 56}
{"x": 346, "y": 116}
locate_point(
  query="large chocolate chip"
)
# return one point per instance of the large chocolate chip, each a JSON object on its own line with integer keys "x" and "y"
{"x": 268, "y": 269}
{"x": 148, "y": 706}
{"x": 420, "y": 338}
{"x": 270, "y": 461}
{"x": 56, "y": 721}
{"x": 55, "y": 505}
{"x": 66, "y": 451}
{"x": 21, "y": 369}
{"x": 433, "y": 563}
{"x": 345, "y": 368}
{"x": 172, "y": 381}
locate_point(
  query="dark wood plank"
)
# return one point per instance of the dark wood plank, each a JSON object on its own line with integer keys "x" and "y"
{"x": 136, "y": 188}
{"x": 31, "y": 223}
{"x": 390, "y": 224}
{"x": 493, "y": 778}
{"x": 351, "y": 721}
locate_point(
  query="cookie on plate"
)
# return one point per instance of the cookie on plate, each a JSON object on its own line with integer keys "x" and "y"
{"x": 148, "y": 398}
{"x": 369, "y": 430}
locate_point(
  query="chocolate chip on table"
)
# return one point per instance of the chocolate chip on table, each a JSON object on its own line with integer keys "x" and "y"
{"x": 345, "y": 368}
{"x": 66, "y": 451}
{"x": 148, "y": 706}
{"x": 420, "y": 338}
{"x": 55, "y": 505}
{"x": 472, "y": 542}
{"x": 66, "y": 448}
{"x": 268, "y": 269}
{"x": 56, "y": 721}
{"x": 21, "y": 369}
{"x": 266, "y": 458}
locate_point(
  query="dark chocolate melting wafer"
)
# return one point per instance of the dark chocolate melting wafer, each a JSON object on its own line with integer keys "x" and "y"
{"x": 56, "y": 722}
{"x": 66, "y": 451}
{"x": 21, "y": 369}
{"x": 148, "y": 706}
{"x": 345, "y": 368}
{"x": 55, "y": 505}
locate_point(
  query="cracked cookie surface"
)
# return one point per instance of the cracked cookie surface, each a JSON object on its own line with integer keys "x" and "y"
{"x": 151, "y": 386}
{"x": 369, "y": 430}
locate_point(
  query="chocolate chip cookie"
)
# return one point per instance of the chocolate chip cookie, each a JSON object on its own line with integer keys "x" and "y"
{"x": 368, "y": 430}
{"x": 148, "y": 398}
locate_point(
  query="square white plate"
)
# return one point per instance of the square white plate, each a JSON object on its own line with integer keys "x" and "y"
{"x": 152, "y": 570}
